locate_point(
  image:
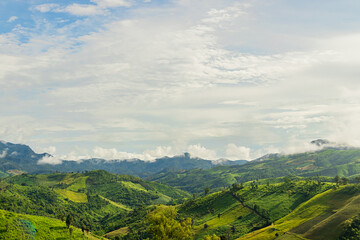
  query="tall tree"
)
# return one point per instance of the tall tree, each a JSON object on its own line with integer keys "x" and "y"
{"x": 337, "y": 180}
{"x": 207, "y": 190}
{"x": 163, "y": 225}
{"x": 69, "y": 220}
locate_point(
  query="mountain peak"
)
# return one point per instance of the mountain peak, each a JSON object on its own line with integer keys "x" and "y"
{"x": 321, "y": 142}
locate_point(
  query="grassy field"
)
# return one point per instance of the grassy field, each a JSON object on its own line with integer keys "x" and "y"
{"x": 119, "y": 232}
{"x": 77, "y": 184}
{"x": 73, "y": 196}
{"x": 119, "y": 205}
{"x": 132, "y": 185}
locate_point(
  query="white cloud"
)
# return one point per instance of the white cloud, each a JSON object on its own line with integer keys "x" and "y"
{"x": 12, "y": 19}
{"x": 203, "y": 71}
{"x": 202, "y": 152}
{"x": 99, "y": 8}
{"x": 49, "y": 160}
{"x": 234, "y": 152}
{"x": 159, "y": 152}
{"x": 46, "y": 7}
{"x": 112, "y": 3}
{"x": 4, "y": 153}
{"x": 50, "y": 150}
{"x": 81, "y": 9}
{"x": 111, "y": 154}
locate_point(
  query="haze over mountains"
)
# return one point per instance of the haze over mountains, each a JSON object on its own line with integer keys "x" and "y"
{"x": 22, "y": 157}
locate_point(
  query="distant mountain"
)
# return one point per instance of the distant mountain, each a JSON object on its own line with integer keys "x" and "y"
{"x": 22, "y": 157}
{"x": 19, "y": 153}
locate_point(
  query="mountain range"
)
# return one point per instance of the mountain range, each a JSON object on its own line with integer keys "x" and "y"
{"x": 22, "y": 158}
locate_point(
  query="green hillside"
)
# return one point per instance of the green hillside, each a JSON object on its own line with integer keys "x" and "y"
{"x": 245, "y": 208}
{"x": 327, "y": 163}
{"x": 309, "y": 206}
{"x": 97, "y": 199}
{"x": 22, "y": 226}
{"x": 322, "y": 217}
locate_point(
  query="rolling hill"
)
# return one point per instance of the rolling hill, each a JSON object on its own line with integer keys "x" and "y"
{"x": 24, "y": 226}
{"x": 245, "y": 208}
{"x": 327, "y": 162}
{"x": 322, "y": 217}
{"x": 91, "y": 197}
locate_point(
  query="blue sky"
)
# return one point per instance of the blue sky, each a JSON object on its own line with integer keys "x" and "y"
{"x": 124, "y": 79}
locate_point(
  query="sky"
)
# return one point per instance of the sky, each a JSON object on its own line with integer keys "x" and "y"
{"x": 120, "y": 79}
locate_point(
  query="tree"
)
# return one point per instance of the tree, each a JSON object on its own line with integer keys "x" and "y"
{"x": 163, "y": 225}
{"x": 194, "y": 196}
{"x": 69, "y": 220}
{"x": 357, "y": 179}
{"x": 71, "y": 231}
{"x": 212, "y": 237}
{"x": 337, "y": 180}
{"x": 344, "y": 180}
{"x": 207, "y": 190}
{"x": 61, "y": 216}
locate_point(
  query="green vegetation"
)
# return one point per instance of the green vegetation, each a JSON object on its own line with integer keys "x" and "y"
{"x": 325, "y": 163}
{"x": 302, "y": 196}
{"x": 321, "y": 217}
{"x": 351, "y": 230}
{"x": 72, "y": 196}
{"x": 164, "y": 226}
{"x": 96, "y": 200}
{"x": 22, "y": 226}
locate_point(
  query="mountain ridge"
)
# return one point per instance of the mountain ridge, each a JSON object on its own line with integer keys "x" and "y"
{"x": 23, "y": 158}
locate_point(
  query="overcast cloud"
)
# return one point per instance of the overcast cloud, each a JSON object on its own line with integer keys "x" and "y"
{"x": 145, "y": 79}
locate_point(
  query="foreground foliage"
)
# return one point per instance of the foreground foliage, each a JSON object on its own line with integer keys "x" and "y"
{"x": 164, "y": 226}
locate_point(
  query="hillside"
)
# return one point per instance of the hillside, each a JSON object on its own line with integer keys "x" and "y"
{"x": 23, "y": 226}
{"x": 327, "y": 162}
{"x": 20, "y": 157}
{"x": 322, "y": 217}
{"x": 91, "y": 197}
{"x": 245, "y": 208}
{"x": 118, "y": 205}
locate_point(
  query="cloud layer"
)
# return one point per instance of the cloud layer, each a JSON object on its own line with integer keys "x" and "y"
{"x": 115, "y": 79}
